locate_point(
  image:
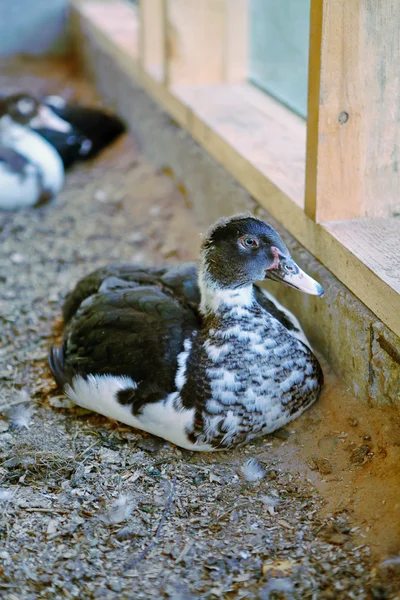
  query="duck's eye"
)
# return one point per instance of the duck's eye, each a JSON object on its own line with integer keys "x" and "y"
{"x": 249, "y": 242}
{"x": 25, "y": 106}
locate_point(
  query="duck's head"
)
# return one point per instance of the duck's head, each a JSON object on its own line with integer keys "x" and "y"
{"x": 25, "y": 109}
{"x": 243, "y": 249}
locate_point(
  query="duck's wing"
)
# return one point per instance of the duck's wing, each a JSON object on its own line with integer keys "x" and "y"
{"x": 68, "y": 145}
{"x": 100, "y": 127}
{"x": 179, "y": 281}
{"x": 13, "y": 161}
{"x": 282, "y": 314}
{"x": 132, "y": 331}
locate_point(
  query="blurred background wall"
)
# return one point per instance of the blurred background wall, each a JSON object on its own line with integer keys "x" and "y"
{"x": 33, "y": 26}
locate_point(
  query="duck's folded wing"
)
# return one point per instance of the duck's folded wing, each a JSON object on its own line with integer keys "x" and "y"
{"x": 66, "y": 144}
{"x": 100, "y": 127}
{"x": 14, "y": 161}
{"x": 91, "y": 283}
{"x": 179, "y": 280}
{"x": 135, "y": 332}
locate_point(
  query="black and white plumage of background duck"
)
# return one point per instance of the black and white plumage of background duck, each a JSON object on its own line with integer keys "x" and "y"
{"x": 31, "y": 171}
{"x": 77, "y": 133}
{"x": 205, "y": 365}
{"x": 91, "y": 130}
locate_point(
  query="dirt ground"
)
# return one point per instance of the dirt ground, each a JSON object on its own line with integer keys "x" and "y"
{"x": 90, "y": 508}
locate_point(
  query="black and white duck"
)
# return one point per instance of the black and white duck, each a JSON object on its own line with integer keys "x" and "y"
{"x": 31, "y": 171}
{"x": 202, "y": 357}
{"x": 77, "y": 132}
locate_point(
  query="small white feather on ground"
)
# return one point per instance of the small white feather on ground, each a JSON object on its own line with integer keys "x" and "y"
{"x": 270, "y": 502}
{"x": 277, "y": 586}
{"x": 6, "y": 495}
{"x": 20, "y": 397}
{"x": 252, "y": 470}
{"x": 120, "y": 510}
{"x": 20, "y": 416}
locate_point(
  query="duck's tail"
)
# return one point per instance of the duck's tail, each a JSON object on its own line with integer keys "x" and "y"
{"x": 57, "y": 366}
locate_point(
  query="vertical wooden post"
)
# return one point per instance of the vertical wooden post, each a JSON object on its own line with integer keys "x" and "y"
{"x": 195, "y": 33}
{"x": 353, "y": 138}
{"x": 152, "y": 37}
{"x": 206, "y": 41}
{"x": 236, "y": 41}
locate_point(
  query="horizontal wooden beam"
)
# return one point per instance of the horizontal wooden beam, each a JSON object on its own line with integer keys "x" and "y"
{"x": 271, "y": 138}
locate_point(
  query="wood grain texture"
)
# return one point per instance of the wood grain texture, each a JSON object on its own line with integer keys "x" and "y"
{"x": 206, "y": 41}
{"x": 152, "y": 37}
{"x": 376, "y": 242}
{"x": 235, "y": 59}
{"x": 354, "y": 113}
{"x": 118, "y": 18}
{"x": 195, "y": 41}
{"x": 366, "y": 257}
{"x": 270, "y": 138}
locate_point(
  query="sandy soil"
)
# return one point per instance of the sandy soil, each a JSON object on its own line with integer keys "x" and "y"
{"x": 82, "y": 498}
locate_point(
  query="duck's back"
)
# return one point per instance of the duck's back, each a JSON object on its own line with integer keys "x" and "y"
{"x": 98, "y": 126}
{"x": 130, "y": 323}
{"x": 179, "y": 280}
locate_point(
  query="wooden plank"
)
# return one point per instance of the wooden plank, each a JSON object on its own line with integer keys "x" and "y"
{"x": 152, "y": 37}
{"x": 329, "y": 243}
{"x": 88, "y": 26}
{"x": 270, "y": 137}
{"x": 360, "y": 237}
{"x": 354, "y": 117}
{"x": 235, "y": 59}
{"x": 118, "y": 18}
{"x": 365, "y": 256}
{"x": 195, "y": 41}
{"x": 314, "y": 82}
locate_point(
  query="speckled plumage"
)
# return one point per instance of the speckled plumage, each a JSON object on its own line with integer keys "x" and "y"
{"x": 141, "y": 346}
{"x": 255, "y": 375}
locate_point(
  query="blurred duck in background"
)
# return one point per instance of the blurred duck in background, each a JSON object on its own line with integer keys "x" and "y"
{"x": 85, "y": 131}
{"x": 40, "y": 139}
{"x": 31, "y": 171}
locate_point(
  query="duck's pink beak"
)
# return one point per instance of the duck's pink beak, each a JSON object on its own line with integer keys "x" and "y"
{"x": 286, "y": 271}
